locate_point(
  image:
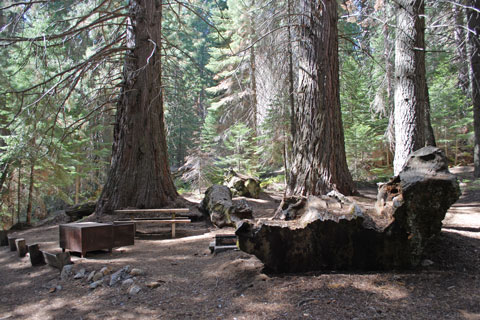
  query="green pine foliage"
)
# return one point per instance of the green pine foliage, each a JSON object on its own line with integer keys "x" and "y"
{"x": 59, "y": 119}
{"x": 230, "y": 63}
{"x": 452, "y": 114}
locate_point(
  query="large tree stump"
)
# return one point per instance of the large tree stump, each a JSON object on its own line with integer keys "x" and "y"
{"x": 36, "y": 256}
{"x": 11, "y": 243}
{"x": 243, "y": 185}
{"x": 219, "y": 206}
{"x": 409, "y": 213}
{"x": 3, "y": 238}
{"x": 290, "y": 208}
{"x": 21, "y": 247}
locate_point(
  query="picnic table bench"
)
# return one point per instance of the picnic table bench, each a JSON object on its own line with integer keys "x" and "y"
{"x": 173, "y": 220}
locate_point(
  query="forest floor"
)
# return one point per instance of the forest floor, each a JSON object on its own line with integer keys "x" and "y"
{"x": 194, "y": 284}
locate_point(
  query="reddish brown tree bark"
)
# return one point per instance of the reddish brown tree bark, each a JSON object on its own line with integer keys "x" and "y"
{"x": 30, "y": 194}
{"x": 140, "y": 175}
{"x": 319, "y": 163}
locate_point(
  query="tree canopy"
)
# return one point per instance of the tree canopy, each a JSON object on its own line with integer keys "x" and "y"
{"x": 229, "y": 76}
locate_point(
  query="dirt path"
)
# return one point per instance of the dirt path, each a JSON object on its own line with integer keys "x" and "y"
{"x": 197, "y": 285}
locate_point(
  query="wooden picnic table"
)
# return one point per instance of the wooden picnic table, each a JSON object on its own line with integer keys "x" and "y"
{"x": 174, "y": 219}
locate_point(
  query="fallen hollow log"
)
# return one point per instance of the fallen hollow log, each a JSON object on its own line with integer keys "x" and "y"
{"x": 409, "y": 211}
{"x": 218, "y": 205}
{"x": 79, "y": 211}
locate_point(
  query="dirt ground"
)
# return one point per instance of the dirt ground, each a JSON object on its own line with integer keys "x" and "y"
{"x": 195, "y": 284}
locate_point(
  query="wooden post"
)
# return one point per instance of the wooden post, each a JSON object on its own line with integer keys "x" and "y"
{"x": 11, "y": 243}
{"x": 30, "y": 194}
{"x": 3, "y": 238}
{"x": 36, "y": 256}
{"x": 21, "y": 247}
{"x": 57, "y": 260}
{"x": 173, "y": 225}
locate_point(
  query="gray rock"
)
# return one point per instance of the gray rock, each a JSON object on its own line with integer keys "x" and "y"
{"x": 97, "y": 276}
{"x": 127, "y": 282}
{"x": 134, "y": 290}
{"x": 90, "y": 276}
{"x": 58, "y": 288}
{"x": 427, "y": 263}
{"x": 153, "y": 284}
{"x": 119, "y": 275}
{"x": 95, "y": 284}
{"x": 106, "y": 271}
{"x": 137, "y": 272}
{"x": 66, "y": 272}
{"x": 80, "y": 274}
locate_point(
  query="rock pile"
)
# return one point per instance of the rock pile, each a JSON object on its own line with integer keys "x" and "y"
{"x": 128, "y": 279}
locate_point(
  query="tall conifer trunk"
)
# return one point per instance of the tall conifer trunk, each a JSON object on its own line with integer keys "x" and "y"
{"x": 473, "y": 17}
{"x": 139, "y": 175}
{"x": 389, "y": 70}
{"x": 461, "y": 48}
{"x": 412, "y": 128}
{"x": 30, "y": 193}
{"x": 319, "y": 162}
{"x": 254, "y": 91}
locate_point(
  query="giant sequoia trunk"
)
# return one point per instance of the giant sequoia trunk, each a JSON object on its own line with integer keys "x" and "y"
{"x": 473, "y": 17}
{"x": 139, "y": 175}
{"x": 411, "y": 96}
{"x": 319, "y": 163}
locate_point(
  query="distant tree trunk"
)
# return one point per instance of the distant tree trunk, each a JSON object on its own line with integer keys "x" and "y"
{"x": 319, "y": 150}
{"x": 461, "y": 48}
{"x": 291, "y": 80}
{"x": 253, "y": 83}
{"x": 389, "y": 70}
{"x": 473, "y": 17}
{"x": 420, "y": 49}
{"x": 30, "y": 193}
{"x": 139, "y": 175}
{"x": 77, "y": 187}
{"x": 410, "y": 87}
{"x": 253, "y": 73}
{"x": 19, "y": 191}
{"x": 11, "y": 198}
{"x": 288, "y": 147}
{"x": 429, "y": 134}
{"x": 4, "y": 174}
